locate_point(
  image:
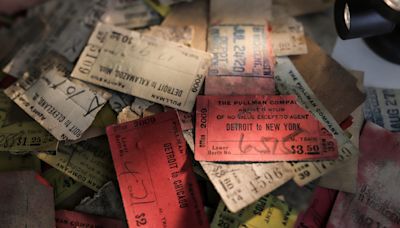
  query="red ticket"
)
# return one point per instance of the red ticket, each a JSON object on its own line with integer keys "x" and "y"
{"x": 154, "y": 173}
{"x": 318, "y": 212}
{"x": 259, "y": 128}
{"x": 73, "y": 219}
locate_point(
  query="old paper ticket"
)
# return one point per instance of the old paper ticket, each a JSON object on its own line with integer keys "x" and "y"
{"x": 259, "y": 128}
{"x": 144, "y": 66}
{"x": 25, "y": 137}
{"x": 290, "y": 81}
{"x": 157, "y": 184}
{"x": 268, "y": 211}
{"x": 287, "y": 37}
{"x": 383, "y": 108}
{"x": 241, "y": 184}
{"x": 253, "y": 12}
{"x": 242, "y": 55}
{"x": 88, "y": 162}
{"x": 62, "y": 107}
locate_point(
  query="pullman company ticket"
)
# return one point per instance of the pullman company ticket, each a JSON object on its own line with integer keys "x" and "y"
{"x": 241, "y": 184}
{"x": 259, "y": 128}
{"x": 62, "y": 107}
{"x": 154, "y": 173}
{"x": 161, "y": 71}
{"x": 87, "y": 162}
{"x": 290, "y": 81}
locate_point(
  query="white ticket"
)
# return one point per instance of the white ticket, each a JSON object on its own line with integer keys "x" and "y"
{"x": 240, "y": 185}
{"x": 161, "y": 71}
{"x": 287, "y": 37}
{"x": 62, "y": 107}
{"x": 289, "y": 81}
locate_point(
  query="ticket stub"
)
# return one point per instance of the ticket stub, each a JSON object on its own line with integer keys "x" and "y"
{"x": 129, "y": 62}
{"x": 73, "y": 219}
{"x": 268, "y": 211}
{"x": 87, "y": 162}
{"x": 376, "y": 202}
{"x": 130, "y": 14}
{"x": 183, "y": 34}
{"x": 239, "y": 50}
{"x": 5, "y": 104}
{"x": 63, "y": 186}
{"x": 287, "y": 37}
{"x": 240, "y": 185}
{"x": 259, "y": 128}
{"x": 383, "y": 108}
{"x": 25, "y": 137}
{"x": 241, "y": 55}
{"x": 290, "y": 81}
{"x": 157, "y": 184}
{"x": 62, "y": 107}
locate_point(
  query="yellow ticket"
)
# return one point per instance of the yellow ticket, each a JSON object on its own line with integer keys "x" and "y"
{"x": 87, "y": 162}
{"x": 26, "y": 137}
{"x": 163, "y": 10}
{"x": 9, "y": 162}
{"x": 64, "y": 186}
{"x": 268, "y": 211}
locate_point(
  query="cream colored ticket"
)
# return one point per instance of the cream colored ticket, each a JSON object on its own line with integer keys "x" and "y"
{"x": 62, "y": 107}
{"x": 183, "y": 35}
{"x": 9, "y": 162}
{"x": 289, "y": 81}
{"x": 240, "y": 185}
{"x": 287, "y": 37}
{"x": 88, "y": 162}
{"x": 161, "y": 71}
{"x": 268, "y": 211}
{"x": 63, "y": 186}
{"x": 24, "y": 137}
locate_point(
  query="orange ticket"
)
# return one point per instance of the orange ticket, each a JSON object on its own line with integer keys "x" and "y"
{"x": 73, "y": 219}
{"x": 154, "y": 173}
{"x": 259, "y": 128}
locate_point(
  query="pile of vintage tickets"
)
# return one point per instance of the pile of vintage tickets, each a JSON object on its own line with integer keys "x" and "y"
{"x": 180, "y": 113}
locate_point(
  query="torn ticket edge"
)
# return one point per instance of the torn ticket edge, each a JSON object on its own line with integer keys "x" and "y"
{"x": 287, "y": 37}
{"x": 259, "y": 129}
{"x": 183, "y": 34}
{"x": 242, "y": 55}
{"x": 290, "y": 81}
{"x": 62, "y": 107}
{"x": 130, "y": 14}
{"x": 88, "y": 162}
{"x": 107, "y": 61}
{"x": 106, "y": 202}
{"x": 240, "y": 185}
{"x": 268, "y": 211}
